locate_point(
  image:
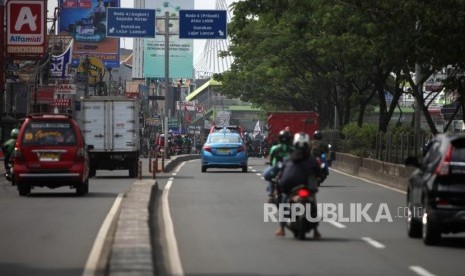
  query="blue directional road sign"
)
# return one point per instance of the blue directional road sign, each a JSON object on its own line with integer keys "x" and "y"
{"x": 202, "y": 24}
{"x": 124, "y": 22}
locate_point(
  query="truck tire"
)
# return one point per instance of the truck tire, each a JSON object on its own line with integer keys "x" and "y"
{"x": 133, "y": 170}
{"x": 92, "y": 172}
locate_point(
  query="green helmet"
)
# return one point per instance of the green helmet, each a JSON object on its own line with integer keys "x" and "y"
{"x": 14, "y": 133}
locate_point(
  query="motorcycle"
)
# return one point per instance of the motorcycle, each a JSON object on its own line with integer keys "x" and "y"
{"x": 299, "y": 224}
{"x": 324, "y": 166}
{"x": 9, "y": 173}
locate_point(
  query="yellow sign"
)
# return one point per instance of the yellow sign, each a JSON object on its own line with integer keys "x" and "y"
{"x": 93, "y": 68}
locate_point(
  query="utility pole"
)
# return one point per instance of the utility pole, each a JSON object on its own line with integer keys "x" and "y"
{"x": 167, "y": 75}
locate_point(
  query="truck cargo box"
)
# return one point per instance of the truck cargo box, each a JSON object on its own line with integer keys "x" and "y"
{"x": 297, "y": 121}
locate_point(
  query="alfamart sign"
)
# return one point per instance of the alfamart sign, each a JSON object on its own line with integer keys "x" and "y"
{"x": 26, "y": 28}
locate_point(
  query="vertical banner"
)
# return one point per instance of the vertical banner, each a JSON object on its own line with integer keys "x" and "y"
{"x": 86, "y": 22}
{"x": 61, "y": 57}
{"x": 181, "y": 51}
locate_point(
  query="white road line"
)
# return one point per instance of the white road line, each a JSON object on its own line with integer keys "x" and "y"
{"x": 94, "y": 256}
{"x": 179, "y": 167}
{"x": 175, "y": 266}
{"x": 259, "y": 174}
{"x": 421, "y": 271}
{"x": 336, "y": 224}
{"x": 373, "y": 243}
{"x": 174, "y": 174}
{"x": 254, "y": 170}
{"x": 371, "y": 182}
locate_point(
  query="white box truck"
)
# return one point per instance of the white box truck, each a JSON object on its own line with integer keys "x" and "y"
{"x": 111, "y": 125}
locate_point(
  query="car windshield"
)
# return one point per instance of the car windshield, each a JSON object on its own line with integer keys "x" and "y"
{"x": 49, "y": 133}
{"x": 224, "y": 138}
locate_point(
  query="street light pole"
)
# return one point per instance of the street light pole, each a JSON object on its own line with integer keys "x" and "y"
{"x": 167, "y": 75}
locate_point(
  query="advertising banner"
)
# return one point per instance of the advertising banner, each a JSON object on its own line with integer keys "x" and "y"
{"x": 60, "y": 62}
{"x": 86, "y": 22}
{"x": 181, "y": 51}
{"x": 26, "y": 29}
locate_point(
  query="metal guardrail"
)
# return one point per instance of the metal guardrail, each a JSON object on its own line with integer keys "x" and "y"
{"x": 392, "y": 148}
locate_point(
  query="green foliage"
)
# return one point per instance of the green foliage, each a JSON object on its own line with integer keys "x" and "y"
{"x": 360, "y": 140}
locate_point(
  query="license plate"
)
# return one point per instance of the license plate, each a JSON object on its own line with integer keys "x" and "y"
{"x": 49, "y": 157}
{"x": 224, "y": 151}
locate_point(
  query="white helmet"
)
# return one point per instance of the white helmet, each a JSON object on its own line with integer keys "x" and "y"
{"x": 301, "y": 140}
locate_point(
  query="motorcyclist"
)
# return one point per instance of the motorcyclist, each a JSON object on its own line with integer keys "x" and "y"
{"x": 300, "y": 168}
{"x": 319, "y": 147}
{"x": 248, "y": 141}
{"x": 187, "y": 144}
{"x": 8, "y": 148}
{"x": 278, "y": 153}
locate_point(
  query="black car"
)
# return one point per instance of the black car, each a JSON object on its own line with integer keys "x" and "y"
{"x": 436, "y": 189}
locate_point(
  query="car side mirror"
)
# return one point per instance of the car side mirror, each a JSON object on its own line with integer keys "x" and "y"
{"x": 412, "y": 161}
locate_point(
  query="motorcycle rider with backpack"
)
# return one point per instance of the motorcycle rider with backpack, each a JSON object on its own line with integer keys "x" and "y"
{"x": 277, "y": 154}
{"x": 7, "y": 149}
{"x": 320, "y": 149}
{"x": 301, "y": 168}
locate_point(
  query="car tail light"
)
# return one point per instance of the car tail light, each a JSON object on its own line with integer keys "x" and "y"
{"x": 80, "y": 154}
{"x": 18, "y": 155}
{"x": 240, "y": 148}
{"x": 443, "y": 167}
{"x": 207, "y": 148}
{"x": 442, "y": 202}
{"x": 303, "y": 193}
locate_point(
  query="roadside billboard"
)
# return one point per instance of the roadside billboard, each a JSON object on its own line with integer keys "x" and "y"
{"x": 86, "y": 22}
{"x": 26, "y": 29}
{"x": 181, "y": 53}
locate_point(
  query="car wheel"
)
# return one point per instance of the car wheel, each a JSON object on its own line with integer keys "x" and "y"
{"x": 413, "y": 222}
{"x": 83, "y": 188}
{"x": 204, "y": 169}
{"x": 244, "y": 169}
{"x": 24, "y": 189}
{"x": 431, "y": 233}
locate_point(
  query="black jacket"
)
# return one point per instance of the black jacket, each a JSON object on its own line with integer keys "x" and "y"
{"x": 300, "y": 169}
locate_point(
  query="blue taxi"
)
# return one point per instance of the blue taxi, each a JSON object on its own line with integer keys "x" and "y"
{"x": 224, "y": 149}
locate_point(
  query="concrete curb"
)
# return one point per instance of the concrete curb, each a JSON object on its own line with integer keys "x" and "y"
{"x": 392, "y": 175}
{"x": 131, "y": 251}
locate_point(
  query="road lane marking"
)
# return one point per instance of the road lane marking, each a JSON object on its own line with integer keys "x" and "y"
{"x": 92, "y": 261}
{"x": 174, "y": 174}
{"x": 421, "y": 271}
{"x": 259, "y": 174}
{"x": 174, "y": 259}
{"x": 373, "y": 243}
{"x": 254, "y": 170}
{"x": 336, "y": 224}
{"x": 371, "y": 182}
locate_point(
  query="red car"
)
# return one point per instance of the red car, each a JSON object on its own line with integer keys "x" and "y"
{"x": 51, "y": 152}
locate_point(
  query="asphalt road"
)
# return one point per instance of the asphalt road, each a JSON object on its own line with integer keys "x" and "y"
{"x": 51, "y": 232}
{"x": 219, "y": 229}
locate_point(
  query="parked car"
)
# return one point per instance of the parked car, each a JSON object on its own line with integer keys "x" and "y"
{"x": 51, "y": 152}
{"x": 436, "y": 190}
{"x": 224, "y": 150}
